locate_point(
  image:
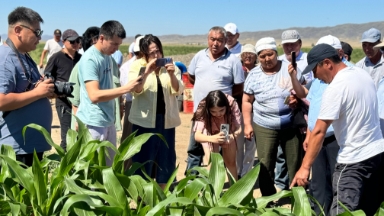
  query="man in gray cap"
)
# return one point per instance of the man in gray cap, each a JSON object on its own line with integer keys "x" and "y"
{"x": 373, "y": 60}
{"x": 60, "y": 66}
{"x": 349, "y": 103}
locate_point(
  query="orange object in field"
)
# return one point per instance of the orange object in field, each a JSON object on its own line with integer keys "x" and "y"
{"x": 188, "y": 95}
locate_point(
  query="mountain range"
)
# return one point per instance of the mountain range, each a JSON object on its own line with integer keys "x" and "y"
{"x": 350, "y": 33}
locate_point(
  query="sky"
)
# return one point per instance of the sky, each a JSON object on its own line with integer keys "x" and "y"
{"x": 188, "y": 17}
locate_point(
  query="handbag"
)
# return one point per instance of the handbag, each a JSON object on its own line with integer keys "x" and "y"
{"x": 298, "y": 120}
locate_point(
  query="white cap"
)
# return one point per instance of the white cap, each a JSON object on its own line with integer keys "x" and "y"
{"x": 330, "y": 40}
{"x": 265, "y": 43}
{"x": 231, "y": 27}
{"x": 290, "y": 36}
{"x": 248, "y": 48}
{"x": 136, "y": 48}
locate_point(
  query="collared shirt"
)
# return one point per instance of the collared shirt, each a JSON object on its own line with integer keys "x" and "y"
{"x": 376, "y": 71}
{"x": 380, "y": 99}
{"x": 124, "y": 70}
{"x": 236, "y": 50}
{"x": 143, "y": 110}
{"x": 13, "y": 79}
{"x": 301, "y": 61}
{"x": 118, "y": 56}
{"x": 220, "y": 74}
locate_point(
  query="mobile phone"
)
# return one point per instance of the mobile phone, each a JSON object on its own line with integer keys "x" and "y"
{"x": 225, "y": 128}
{"x": 286, "y": 101}
{"x": 293, "y": 61}
{"x": 161, "y": 62}
{"x": 142, "y": 71}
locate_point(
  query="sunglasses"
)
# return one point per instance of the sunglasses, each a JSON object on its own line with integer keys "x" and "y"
{"x": 37, "y": 32}
{"x": 74, "y": 41}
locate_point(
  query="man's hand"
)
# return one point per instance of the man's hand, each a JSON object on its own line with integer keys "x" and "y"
{"x": 292, "y": 71}
{"x": 131, "y": 85}
{"x": 305, "y": 143}
{"x": 248, "y": 131}
{"x": 301, "y": 178}
{"x": 45, "y": 88}
{"x": 41, "y": 65}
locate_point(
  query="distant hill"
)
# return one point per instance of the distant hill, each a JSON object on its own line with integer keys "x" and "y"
{"x": 350, "y": 33}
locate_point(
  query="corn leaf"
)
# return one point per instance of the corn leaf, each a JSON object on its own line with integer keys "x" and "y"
{"x": 302, "y": 206}
{"x": 39, "y": 180}
{"x": 223, "y": 211}
{"x": 113, "y": 187}
{"x": 159, "y": 208}
{"x": 217, "y": 174}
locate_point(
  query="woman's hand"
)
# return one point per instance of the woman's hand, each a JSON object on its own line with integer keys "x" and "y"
{"x": 151, "y": 66}
{"x": 170, "y": 67}
{"x": 293, "y": 102}
{"x": 248, "y": 131}
{"x": 218, "y": 138}
{"x": 292, "y": 71}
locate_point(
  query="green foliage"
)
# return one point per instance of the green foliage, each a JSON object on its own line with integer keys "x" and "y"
{"x": 80, "y": 183}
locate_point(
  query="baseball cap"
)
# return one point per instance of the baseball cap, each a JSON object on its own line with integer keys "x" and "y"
{"x": 290, "y": 36}
{"x": 346, "y": 48}
{"x": 265, "y": 43}
{"x": 371, "y": 36}
{"x": 70, "y": 35}
{"x": 136, "y": 48}
{"x": 317, "y": 54}
{"x": 57, "y": 31}
{"x": 231, "y": 27}
{"x": 248, "y": 48}
{"x": 330, "y": 40}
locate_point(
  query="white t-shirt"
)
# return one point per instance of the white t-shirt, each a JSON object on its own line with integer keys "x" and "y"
{"x": 350, "y": 101}
{"x": 53, "y": 47}
{"x": 124, "y": 70}
{"x": 236, "y": 50}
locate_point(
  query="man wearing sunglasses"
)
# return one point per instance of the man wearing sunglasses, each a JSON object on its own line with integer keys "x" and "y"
{"x": 60, "y": 65}
{"x": 23, "y": 94}
{"x": 51, "y": 47}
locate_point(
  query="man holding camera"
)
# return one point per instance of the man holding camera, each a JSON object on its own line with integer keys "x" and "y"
{"x": 60, "y": 66}
{"x": 23, "y": 93}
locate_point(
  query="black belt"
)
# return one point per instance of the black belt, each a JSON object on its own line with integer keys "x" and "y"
{"x": 329, "y": 139}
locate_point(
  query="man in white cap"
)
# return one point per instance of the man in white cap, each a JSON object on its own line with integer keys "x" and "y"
{"x": 291, "y": 42}
{"x": 335, "y": 43}
{"x": 373, "y": 60}
{"x": 232, "y": 36}
{"x": 51, "y": 47}
{"x": 124, "y": 70}
{"x": 348, "y": 103}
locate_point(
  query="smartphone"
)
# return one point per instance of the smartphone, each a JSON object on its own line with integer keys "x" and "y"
{"x": 286, "y": 101}
{"x": 142, "y": 71}
{"x": 161, "y": 62}
{"x": 293, "y": 61}
{"x": 225, "y": 128}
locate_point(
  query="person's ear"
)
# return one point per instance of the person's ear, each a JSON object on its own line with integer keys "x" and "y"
{"x": 17, "y": 30}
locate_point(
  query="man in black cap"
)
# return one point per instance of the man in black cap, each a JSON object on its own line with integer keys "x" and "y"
{"x": 60, "y": 66}
{"x": 350, "y": 104}
{"x": 51, "y": 47}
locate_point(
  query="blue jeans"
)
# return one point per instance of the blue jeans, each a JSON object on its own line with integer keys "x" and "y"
{"x": 195, "y": 152}
{"x": 155, "y": 151}
{"x": 281, "y": 173}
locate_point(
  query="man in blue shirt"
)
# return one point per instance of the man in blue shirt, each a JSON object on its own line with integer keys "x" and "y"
{"x": 23, "y": 93}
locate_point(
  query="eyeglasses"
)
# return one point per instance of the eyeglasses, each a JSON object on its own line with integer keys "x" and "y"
{"x": 74, "y": 41}
{"x": 37, "y": 32}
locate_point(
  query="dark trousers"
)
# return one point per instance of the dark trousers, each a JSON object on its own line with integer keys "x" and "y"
{"x": 358, "y": 185}
{"x": 195, "y": 152}
{"x": 322, "y": 171}
{"x": 64, "y": 111}
{"x": 27, "y": 159}
{"x": 267, "y": 142}
{"x": 127, "y": 129}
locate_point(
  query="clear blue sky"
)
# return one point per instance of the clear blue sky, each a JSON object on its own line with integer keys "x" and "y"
{"x": 186, "y": 17}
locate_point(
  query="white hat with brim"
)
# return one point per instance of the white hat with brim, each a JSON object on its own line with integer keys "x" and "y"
{"x": 248, "y": 48}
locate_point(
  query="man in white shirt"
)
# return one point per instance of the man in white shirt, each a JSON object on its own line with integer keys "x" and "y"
{"x": 51, "y": 47}
{"x": 373, "y": 60}
{"x": 349, "y": 103}
{"x": 232, "y": 36}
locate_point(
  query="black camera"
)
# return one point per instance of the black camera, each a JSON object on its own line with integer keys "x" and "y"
{"x": 61, "y": 88}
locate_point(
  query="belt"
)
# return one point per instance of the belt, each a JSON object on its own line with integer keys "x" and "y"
{"x": 329, "y": 139}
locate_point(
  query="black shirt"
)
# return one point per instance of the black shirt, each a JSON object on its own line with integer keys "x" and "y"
{"x": 160, "y": 105}
{"x": 60, "y": 65}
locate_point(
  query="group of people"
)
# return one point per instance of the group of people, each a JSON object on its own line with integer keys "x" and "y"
{"x": 319, "y": 113}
